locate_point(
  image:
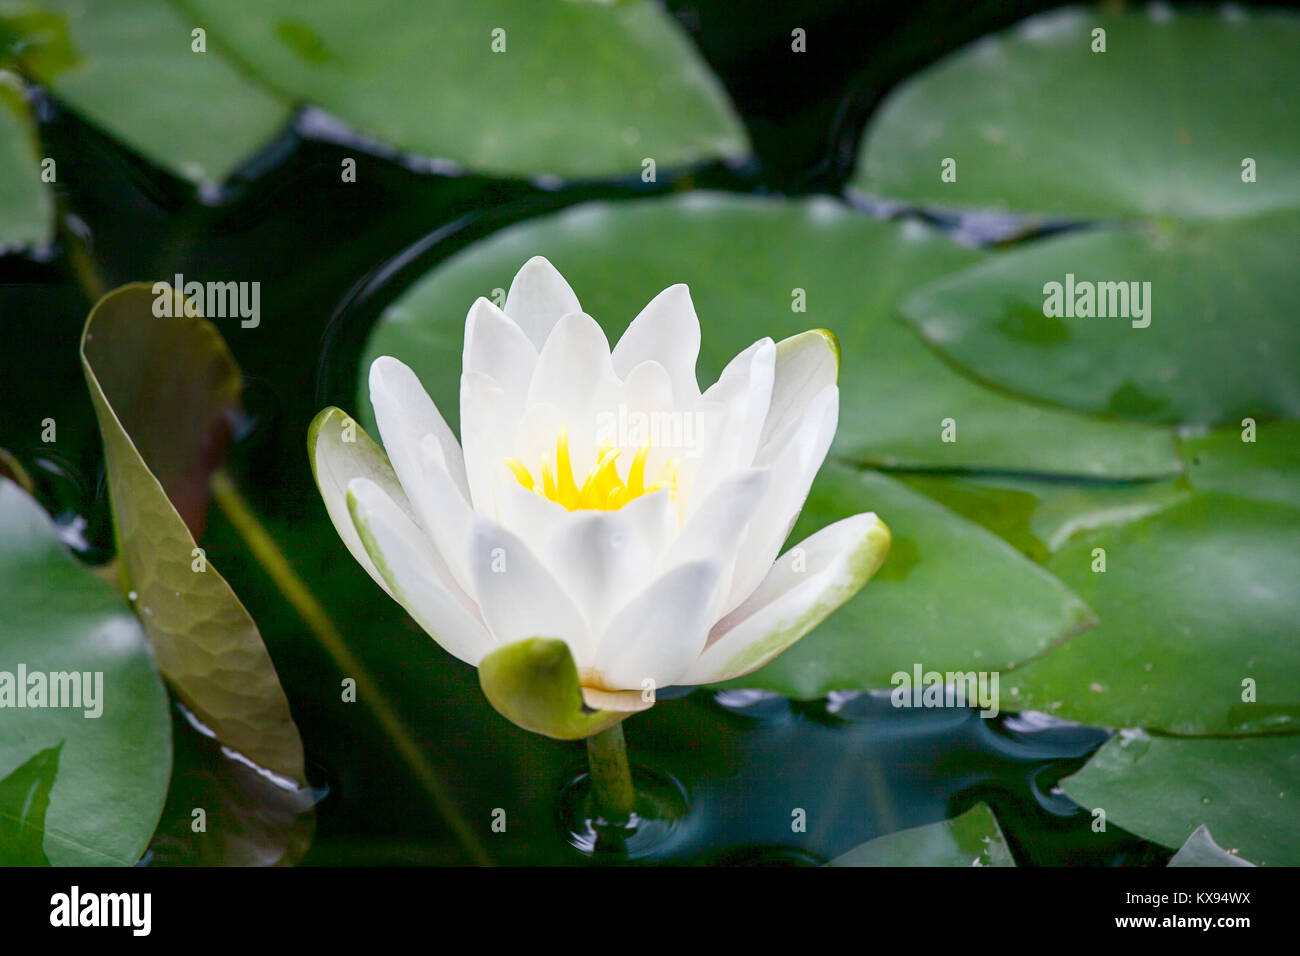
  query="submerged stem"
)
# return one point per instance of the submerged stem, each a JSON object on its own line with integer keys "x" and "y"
{"x": 277, "y": 567}
{"x": 611, "y": 776}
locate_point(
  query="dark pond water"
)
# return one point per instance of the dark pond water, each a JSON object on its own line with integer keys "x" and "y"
{"x": 328, "y": 261}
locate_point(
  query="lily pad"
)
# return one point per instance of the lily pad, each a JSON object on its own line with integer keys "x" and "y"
{"x": 1198, "y": 630}
{"x": 1157, "y": 125}
{"x": 75, "y": 789}
{"x": 507, "y": 88}
{"x": 751, "y": 264}
{"x": 1246, "y": 791}
{"x": 163, "y": 389}
{"x": 1201, "y": 850}
{"x": 129, "y": 67}
{"x": 1220, "y": 344}
{"x": 1039, "y": 516}
{"x": 950, "y": 597}
{"x": 972, "y": 839}
{"x": 26, "y": 205}
{"x": 1267, "y": 468}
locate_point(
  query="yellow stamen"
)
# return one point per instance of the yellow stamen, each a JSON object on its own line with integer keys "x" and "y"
{"x": 602, "y": 489}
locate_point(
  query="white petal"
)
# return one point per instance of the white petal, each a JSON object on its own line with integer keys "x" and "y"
{"x": 487, "y": 427}
{"x": 414, "y": 572}
{"x": 809, "y": 581}
{"x": 741, "y": 396}
{"x": 497, "y": 347}
{"x": 794, "y": 466}
{"x": 668, "y": 332}
{"x": 715, "y": 531}
{"x": 805, "y": 364}
{"x": 449, "y": 517}
{"x": 538, "y": 298}
{"x": 574, "y": 375}
{"x": 660, "y": 633}
{"x": 604, "y": 558}
{"x": 519, "y": 598}
{"x": 335, "y": 462}
{"x": 405, "y": 414}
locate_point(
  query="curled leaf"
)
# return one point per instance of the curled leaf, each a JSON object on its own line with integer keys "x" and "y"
{"x": 164, "y": 390}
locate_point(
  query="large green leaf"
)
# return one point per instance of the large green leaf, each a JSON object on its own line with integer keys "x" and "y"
{"x": 581, "y": 90}
{"x": 746, "y": 261}
{"x": 927, "y": 604}
{"x": 24, "y": 801}
{"x": 1246, "y": 791}
{"x": 26, "y": 205}
{"x": 163, "y": 389}
{"x": 1039, "y": 516}
{"x": 1201, "y": 850}
{"x": 1267, "y": 468}
{"x": 1221, "y": 344}
{"x": 1198, "y": 608}
{"x": 75, "y": 790}
{"x": 972, "y": 839}
{"x": 130, "y": 69}
{"x": 1158, "y": 124}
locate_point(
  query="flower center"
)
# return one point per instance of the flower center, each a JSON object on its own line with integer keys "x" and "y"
{"x": 603, "y": 489}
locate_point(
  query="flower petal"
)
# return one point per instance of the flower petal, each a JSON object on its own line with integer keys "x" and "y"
{"x": 538, "y": 298}
{"x": 604, "y": 558}
{"x": 417, "y": 578}
{"x": 449, "y": 516}
{"x": 809, "y": 581}
{"x": 794, "y": 466}
{"x": 497, "y": 347}
{"x": 805, "y": 364}
{"x": 659, "y": 634}
{"x": 741, "y": 397}
{"x": 668, "y": 332}
{"x": 405, "y": 414}
{"x": 716, "y": 529}
{"x": 340, "y": 450}
{"x": 519, "y": 598}
{"x": 487, "y": 428}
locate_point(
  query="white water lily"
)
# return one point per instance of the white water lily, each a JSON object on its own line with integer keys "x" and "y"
{"x": 600, "y": 497}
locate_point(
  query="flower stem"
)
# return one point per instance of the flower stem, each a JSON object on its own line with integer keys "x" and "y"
{"x": 611, "y": 776}
{"x": 277, "y": 567}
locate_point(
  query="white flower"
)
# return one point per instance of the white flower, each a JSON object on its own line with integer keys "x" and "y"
{"x": 600, "y": 498}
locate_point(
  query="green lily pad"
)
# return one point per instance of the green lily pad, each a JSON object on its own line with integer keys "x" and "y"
{"x": 1198, "y": 611}
{"x": 924, "y": 606}
{"x": 163, "y": 389}
{"x": 534, "y": 683}
{"x": 1220, "y": 344}
{"x": 24, "y": 800}
{"x": 1201, "y": 850}
{"x": 1158, "y": 124}
{"x": 580, "y": 89}
{"x": 75, "y": 790}
{"x": 1267, "y": 468}
{"x": 128, "y": 66}
{"x": 26, "y": 205}
{"x": 1038, "y": 516}
{"x": 1246, "y": 791}
{"x": 746, "y": 262}
{"x": 972, "y": 839}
